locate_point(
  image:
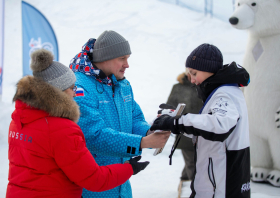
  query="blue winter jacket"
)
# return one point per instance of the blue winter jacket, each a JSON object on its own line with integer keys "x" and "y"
{"x": 113, "y": 125}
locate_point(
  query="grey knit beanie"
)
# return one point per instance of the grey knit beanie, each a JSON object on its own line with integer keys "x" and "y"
{"x": 110, "y": 45}
{"x": 52, "y": 72}
{"x": 205, "y": 57}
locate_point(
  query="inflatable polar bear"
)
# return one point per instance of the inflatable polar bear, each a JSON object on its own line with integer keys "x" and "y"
{"x": 262, "y": 60}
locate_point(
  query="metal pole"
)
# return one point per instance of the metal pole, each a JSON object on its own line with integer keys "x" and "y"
{"x": 211, "y": 8}
{"x": 205, "y": 7}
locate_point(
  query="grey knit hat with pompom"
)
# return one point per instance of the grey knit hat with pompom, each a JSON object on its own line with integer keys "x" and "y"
{"x": 52, "y": 72}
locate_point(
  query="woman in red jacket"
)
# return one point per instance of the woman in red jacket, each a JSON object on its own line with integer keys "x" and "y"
{"x": 47, "y": 150}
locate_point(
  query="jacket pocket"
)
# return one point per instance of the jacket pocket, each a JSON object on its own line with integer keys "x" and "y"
{"x": 211, "y": 174}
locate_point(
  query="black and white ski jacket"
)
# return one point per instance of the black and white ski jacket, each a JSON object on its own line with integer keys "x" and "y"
{"x": 221, "y": 138}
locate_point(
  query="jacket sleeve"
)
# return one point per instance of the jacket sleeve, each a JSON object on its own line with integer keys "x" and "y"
{"x": 139, "y": 125}
{"x": 103, "y": 140}
{"x": 71, "y": 155}
{"x": 215, "y": 125}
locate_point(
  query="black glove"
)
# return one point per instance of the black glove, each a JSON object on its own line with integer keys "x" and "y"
{"x": 166, "y": 123}
{"x": 137, "y": 166}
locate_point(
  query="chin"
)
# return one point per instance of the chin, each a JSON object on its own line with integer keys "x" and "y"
{"x": 118, "y": 77}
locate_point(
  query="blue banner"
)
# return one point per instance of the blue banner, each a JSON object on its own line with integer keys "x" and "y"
{"x": 2, "y": 8}
{"x": 36, "y": 33}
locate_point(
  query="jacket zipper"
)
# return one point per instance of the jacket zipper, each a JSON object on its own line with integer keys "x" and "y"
{"x": 211, "y": 175}
{"x": 113, "y": 89}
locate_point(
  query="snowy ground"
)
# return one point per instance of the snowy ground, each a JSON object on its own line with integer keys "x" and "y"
{"x": 160, "y": 35}
{"x": 159, "y": 180}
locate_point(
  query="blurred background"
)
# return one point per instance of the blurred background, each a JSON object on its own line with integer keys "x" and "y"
{"x": 161, "y": 34}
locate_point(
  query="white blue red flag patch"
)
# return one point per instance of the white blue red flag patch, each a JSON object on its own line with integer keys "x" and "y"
{"x": 80, "y": 92}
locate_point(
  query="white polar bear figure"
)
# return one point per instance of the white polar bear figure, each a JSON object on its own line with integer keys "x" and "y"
{"x": 262, "y": 60}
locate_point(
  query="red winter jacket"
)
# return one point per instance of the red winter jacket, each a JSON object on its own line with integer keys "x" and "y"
{"x": 47, "y": 151}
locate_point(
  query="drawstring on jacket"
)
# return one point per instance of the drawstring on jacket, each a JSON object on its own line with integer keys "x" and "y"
{"x": 101, "y": 92}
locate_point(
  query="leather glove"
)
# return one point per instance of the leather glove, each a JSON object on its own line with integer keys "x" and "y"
{"x": 166, "y": 123}
{"x": 137, "y": 166}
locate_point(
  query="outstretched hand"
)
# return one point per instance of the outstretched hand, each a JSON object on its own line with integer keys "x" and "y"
{"x": 137, "y": 166}
{"x": 155, "y": 140}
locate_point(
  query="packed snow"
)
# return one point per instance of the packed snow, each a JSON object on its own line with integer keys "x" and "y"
{"x": 161, "y": 36}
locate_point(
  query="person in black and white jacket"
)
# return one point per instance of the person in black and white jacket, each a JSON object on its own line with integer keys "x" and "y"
{"x": 220, "y": 132}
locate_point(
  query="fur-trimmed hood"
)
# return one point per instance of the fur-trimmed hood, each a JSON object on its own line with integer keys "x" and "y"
{"x": 41, "y": 95}
{"x": 181, "y": 78}
{"x": 184, "y": 79}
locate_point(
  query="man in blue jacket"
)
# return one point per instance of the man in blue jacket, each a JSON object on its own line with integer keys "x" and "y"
{"x": 113, "y": 123}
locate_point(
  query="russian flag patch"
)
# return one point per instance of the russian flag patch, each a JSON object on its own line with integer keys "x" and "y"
{"x": 80, "y": 92}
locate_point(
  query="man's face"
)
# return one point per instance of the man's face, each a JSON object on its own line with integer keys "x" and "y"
{"x": 116, "y": 66}
{"x": 197, "y": 77}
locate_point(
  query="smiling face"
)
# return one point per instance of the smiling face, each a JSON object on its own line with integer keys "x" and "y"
{"x": 197, "y": 77}
{"x": 116, "y": 66}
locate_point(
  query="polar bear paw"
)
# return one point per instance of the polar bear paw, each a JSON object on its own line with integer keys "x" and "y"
{"x": 277, "y": 118}
{"x": 259, "y": 174}
{"x": 274, "y": 178}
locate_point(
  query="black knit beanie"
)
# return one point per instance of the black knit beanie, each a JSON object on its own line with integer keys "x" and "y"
{"x": 206, "y": 58}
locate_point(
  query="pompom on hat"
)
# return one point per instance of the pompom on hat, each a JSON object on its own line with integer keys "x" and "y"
{"x": 52, "y": 72}
{"x": 206, "y": 58}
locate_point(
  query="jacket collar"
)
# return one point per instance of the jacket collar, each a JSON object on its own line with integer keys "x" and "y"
{"x": 83, "y": 63}
{"x": 110, "y": 80}
{"x": 36, "y": 98}
{"x": 229, "y": 74}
